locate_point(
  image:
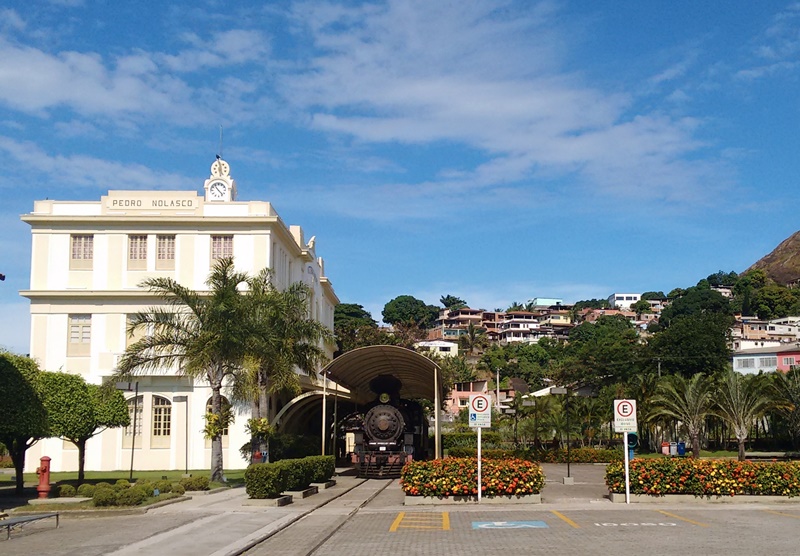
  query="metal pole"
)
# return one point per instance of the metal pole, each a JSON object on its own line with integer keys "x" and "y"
{"x": 324, "y": 411}
{"x": 135, "y": 417}
{"x": 479, "y": 464}
{"x": 568, "y": 434}
{"x": 186, "y": 439}
{"x": 436, "y": 406}
{"x": 336, "y": 421}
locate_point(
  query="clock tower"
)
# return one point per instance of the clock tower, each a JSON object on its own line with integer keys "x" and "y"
{"x": 220, "y": 187}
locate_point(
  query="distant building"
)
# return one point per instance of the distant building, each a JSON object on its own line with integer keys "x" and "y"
{"x": 545, "y": 301}
{"x": 439, "y": 347}
{"x": 623, "y": 300}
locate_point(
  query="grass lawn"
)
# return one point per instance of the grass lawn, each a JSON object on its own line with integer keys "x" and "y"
{"x": 234, "y": 476}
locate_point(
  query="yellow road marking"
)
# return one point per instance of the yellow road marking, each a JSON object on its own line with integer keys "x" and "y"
{"x": 439, "y": 521}
{"x": 687, "y": 520}
{"x": 781, "y": 513}
{"x": 396, "y": 522}
{"x": 565, "y": 518}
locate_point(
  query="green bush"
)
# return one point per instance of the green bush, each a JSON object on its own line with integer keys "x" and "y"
{"x": 86, "y": 490}
{"x": 66, "y": 491}
{"x": 577, "y": 455}
{"x": 195, "y": 483}
{"x": 133, "y": 496}
{"x": 264, "y": 480}
{"x": 459, "y": 477}
{"x": 104, "y": 496}
{"x": 163, "y": 486}
{"x": 103, "y": 484}
{"x": 322, "y": 468}
{"x": 489, "y": 439}
{"x": 292, "y": 446}
{"x": 296, "y": 472}
{"x": 662, "y": 476}
{"x": 178, "y": 489}
{"x": 121, "y": 484}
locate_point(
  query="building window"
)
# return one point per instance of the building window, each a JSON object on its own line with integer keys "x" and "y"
{"x": 748, "y": 363}
{"x": 81, "y": 252}
{"x": 131, "y": 338}
{"x": 137, "y": 252}
{"x": 765, "y": 362}
{"x": 162, "y": 422}
{"x": 165, "y": 253}
{"x": 135, "y": 412}
{"x": 788, "y": 361}
{"x": 221, "y": 247}
{"x": 462, "y": 402}
{"x": 80, "y": 334}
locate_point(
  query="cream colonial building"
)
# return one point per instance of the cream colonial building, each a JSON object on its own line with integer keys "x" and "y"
{"x": 88, "y": 259}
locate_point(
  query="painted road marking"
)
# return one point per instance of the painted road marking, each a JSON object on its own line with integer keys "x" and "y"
{"x": 783, "y": 514}
{"x": 565, "y": 518}
{"x": 509, "y": 525}
{"x": 683, "y": 519}
{"x": 439, "y": 521}
{"x": 637, "y": 524}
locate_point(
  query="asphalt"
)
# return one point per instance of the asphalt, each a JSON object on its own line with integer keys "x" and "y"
{"x": 226, "y": 523}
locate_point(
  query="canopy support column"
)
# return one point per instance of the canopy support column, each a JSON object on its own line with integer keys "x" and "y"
{"x": 437, "y": 409}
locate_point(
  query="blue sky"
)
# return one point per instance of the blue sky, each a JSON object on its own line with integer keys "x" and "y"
{"x": 493, "y": 150}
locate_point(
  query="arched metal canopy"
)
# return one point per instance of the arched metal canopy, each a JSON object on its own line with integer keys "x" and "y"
{"x": 355, "y": 369}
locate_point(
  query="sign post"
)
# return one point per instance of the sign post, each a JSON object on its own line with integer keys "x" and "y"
{"x": 625, "y": 422}
{"x": 480, "y": 417}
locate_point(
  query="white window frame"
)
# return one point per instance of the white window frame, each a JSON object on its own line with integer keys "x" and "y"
{"x": 81, "y": 251}
{"x": 79, "y": 334}
{"x": 221, "y": 247}
{"x": 165, "y": 252}
{"x": 161, "y": 422}
{"x": 137, "y": 252}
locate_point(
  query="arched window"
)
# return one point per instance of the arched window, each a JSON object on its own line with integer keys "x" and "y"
{"x": 162, "y": 416}
{"x": 135, "y": 412}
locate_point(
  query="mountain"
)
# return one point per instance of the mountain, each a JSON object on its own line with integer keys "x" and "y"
{"x": 783, "y": 264}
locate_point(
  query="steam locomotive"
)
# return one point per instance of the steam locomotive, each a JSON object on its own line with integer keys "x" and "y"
{"x": 389, "y": 432}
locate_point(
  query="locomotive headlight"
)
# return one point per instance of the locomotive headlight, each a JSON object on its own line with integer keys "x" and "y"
{"x": 384, "y": 398}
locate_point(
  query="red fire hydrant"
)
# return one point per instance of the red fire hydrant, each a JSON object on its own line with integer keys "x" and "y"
{"x": 43, "y": 488}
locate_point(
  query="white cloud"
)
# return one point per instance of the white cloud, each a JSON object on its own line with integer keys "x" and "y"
{"x": 90, "y": 172}
{"x": 485, "y": 76}
{"x": 10, "y": 19}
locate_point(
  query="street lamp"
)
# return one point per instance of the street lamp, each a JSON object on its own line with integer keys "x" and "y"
{"x": 186, "y": 418}
{"x": 562, "y": 391}
{"x": 128, "y": 387}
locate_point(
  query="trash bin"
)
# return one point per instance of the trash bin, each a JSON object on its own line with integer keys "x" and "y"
{"x": 681, "y": 448}
{"x": 673, "y": 448}
{"x": 665, "y": 448}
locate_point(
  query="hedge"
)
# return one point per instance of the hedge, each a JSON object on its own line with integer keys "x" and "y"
{"x": 577, "y": 455}
{"x": 268, "y": 480}
{"x": 706, "y": 477}
{"x": 452, "y": 440}
{"x": 459, "y": 477}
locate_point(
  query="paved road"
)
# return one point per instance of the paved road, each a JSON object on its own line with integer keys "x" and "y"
{"x": 369, "y": 518}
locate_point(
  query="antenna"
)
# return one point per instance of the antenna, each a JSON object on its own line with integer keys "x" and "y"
{"x": 220, "y": 141}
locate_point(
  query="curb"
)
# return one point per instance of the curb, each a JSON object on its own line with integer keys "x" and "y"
{"x": 617, "y": 498}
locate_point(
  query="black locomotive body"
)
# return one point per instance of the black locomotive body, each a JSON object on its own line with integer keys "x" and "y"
{"x": 389, "y": 432}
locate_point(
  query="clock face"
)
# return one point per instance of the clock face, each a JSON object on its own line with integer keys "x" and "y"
{"x": 217, "y": 190}
{"x": 220, "y": 168}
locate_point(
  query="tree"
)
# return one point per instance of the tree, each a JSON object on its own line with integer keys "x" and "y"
{"x": 641, "y": 307}
{"x": 407, "y": 308}
{"x": 695, "y": 301}
{"x": 688, "y": 401}
{"x": 740, "y": 401}
{"x": 473, "y": 339}
{"x": 653, "y": 296}
{"x": 202, "y": 335}
{"x": 23, "y": 418}
{"x": 282, "y": 338}
{"x": 452, "y": 302}
{"x": 602, "y": 350}
{"x": 352, "y": 315}
{"x": 78, "y": 411}
{"x": 786, "y": 389}
{"x": 591, "y": 304}
{"x": 515, "y": 306}
{"x": 693, "y": 343}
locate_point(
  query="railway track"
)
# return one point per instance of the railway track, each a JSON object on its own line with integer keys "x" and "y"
{"x": 306, "y": 535}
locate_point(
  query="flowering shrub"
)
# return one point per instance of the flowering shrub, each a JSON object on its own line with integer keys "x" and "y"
{"x": 459, "y": 477}
{"x": 577, "y": 455}
{"x": 706, "y": 477}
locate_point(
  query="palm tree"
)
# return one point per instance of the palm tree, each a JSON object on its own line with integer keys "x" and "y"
{"x": 283, "y": 338}
{"x": 473, "y": 339}
{"x": 786, "y": 388}
{"x": 687, "y": 401}
{"x": 202, "y": 334}
{"x": 741, "y": 401}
